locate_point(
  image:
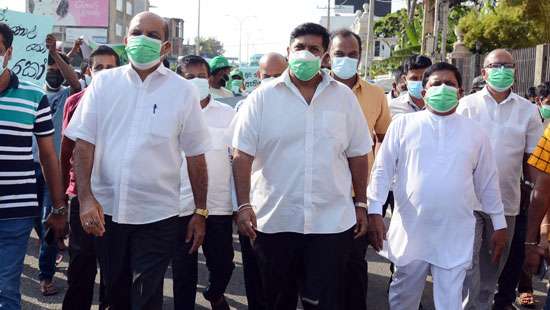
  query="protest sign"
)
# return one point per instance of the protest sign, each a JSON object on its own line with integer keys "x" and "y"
{"x": 30, "y": 55}
{"x": 251, "y": 81}
{"x": 89, "y": 45}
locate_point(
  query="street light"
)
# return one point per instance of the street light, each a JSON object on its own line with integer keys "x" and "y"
{"x": 241, "y": 21}
{"x": 198, "y": 43}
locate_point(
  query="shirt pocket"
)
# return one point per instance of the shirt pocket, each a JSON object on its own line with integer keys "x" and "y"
{"x": 162, "y": 126}
{"x": 334, "y": 126}
{"x": 218, "y": 138}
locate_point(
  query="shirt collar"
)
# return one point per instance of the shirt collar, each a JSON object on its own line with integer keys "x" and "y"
{"x": 412, "y": 104}
{"x": 486, "y": 94}
{"x": 14, "y": 81}
{"x": 285, "y": 78}
{"x": 162, "y": 70}
{"x": 212, "y": 103}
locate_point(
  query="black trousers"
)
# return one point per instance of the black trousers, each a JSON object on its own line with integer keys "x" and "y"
{"x": 251, "y": 272}
{"x": 311, "y": 265}
{"x": 218, "y": 251}
{"x": 133, "y": 260}
{"x": 356, "y": 281}
{"x": 82, "y": 264}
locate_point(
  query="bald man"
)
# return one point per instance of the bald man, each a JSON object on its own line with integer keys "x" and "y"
{"x": 127, "y": 164}
{"x": 272, "y": 65}
{"x": 514, "y": 127}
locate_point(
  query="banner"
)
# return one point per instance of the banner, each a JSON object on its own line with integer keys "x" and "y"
{"x": 251, "y": 81}
{"x": 81, "y": 13}
{"x": 30, "y": 55}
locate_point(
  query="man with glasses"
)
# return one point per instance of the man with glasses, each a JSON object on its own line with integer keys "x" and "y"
{"x": 513, "y": 125}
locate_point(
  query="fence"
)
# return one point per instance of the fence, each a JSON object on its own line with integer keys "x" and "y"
{"x": 532, "y": 67}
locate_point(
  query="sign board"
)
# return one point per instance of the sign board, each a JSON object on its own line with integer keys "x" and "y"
{"x": 30, "y": 55}
{"x": 343, "y": 9}
{"x": 80, "y": 13}
{"x": 251, "y": 81}
{"x": 98, "y": 35}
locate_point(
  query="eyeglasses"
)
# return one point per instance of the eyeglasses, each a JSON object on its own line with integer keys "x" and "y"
{"x": 501, "y": 65}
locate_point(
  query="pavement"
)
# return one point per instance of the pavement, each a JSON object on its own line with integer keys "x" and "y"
{"x": 377, "y": 294}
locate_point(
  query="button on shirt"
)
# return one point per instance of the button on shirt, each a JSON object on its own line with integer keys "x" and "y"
{"x": 218, "y": 117}
{"x": 440, "y": 164}
{"x": 139, "y": 129}
{"x": 403, "y": 105}
{"x": 301, "y": 181}
{"x": 514, "y": 127}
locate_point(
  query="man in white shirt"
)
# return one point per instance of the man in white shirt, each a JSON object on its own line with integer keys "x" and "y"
{"x": 219, "y": 77}
{"x": 302, "y": 141}
{"x": 441, "y": 162}
{"x": 411, "y": 101}
{"x": 218, "y": 241}
{"x": 514, "y": 127}
{"x": 130, "y": 129}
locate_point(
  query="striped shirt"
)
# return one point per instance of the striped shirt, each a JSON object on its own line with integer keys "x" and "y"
{"x": 24, "y": 111}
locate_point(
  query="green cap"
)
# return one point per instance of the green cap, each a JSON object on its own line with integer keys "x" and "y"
{"x": 236, "y": 72}
{"x": 218, "y": 62}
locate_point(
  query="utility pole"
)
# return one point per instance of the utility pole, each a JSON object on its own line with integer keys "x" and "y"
{"x": 328, "y": 16}
{"x": 198, "y": 43}
{"x": 241, "y": 22}
{"x": 369, "y": 55}
{"x": 444, "y": 25}
{"x": 427, "y": 27}
{"x": 437, "y": 27}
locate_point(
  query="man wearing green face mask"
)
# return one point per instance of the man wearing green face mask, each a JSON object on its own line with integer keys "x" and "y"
{"x": 441, "y": 163}
{"x": 514, "y": 127}
{"x": 301, "y": 145}
{"x": 130, "y": 130}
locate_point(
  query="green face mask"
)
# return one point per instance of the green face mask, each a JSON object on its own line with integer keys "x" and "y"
{"x": 304, "y": 65}
{"x": 545, "y": 111}
{"x": 500, "y": 79}
{"x": 143, "y": 52}
{"x": 236, "y": 85}
{"x": 442, "y": 98}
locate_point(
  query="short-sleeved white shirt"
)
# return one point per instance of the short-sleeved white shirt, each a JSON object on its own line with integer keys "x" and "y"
{"x": 301, "y": 181}
{"x": 514, "y": 128}
{"x": 139, "y": 129}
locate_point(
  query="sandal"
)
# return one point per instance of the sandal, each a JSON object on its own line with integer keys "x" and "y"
{"x": 47, "y": 288}
{"x": 526, "y": 300}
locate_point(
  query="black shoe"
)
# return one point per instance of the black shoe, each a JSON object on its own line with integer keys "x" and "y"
{"x": 220, "y": 304}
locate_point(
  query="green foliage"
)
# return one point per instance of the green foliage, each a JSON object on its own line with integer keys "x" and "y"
{"x": 391, "y": 25}
{"x": 508, "y": 25}
{"x": 210, "y": 47}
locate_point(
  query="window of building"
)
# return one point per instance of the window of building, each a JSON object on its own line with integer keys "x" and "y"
{"x": 376, "y": 48}
{"x": 119, "y": 6}
{"x": 118, "y": 30}
{"x": 129, "y": 8}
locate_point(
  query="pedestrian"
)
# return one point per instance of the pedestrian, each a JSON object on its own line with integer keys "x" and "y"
{"x": 271, "y": 66}
{"x": 58, "y": 72}
{"x": 218, "y": 243}
{"x": 82, "y": 269}
{"x": 130, "y": 129}
{"x": 25, "y": 113}
{"x": 237, "y": 83}
{"x": 344, "y": 52}
{"x": 441, "y": 162}
{"x": 412, "y": 100}
{"x": 398, "y": 84}
{"x": 301, "y": 144}
{"x": 219, "y": 77}
{"x": 540, "y": 204}
{"x": 543, "y": 103}
{"x": 513, "y": 125}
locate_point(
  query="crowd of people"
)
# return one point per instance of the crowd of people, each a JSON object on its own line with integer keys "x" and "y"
{"x": 144, "y": 165}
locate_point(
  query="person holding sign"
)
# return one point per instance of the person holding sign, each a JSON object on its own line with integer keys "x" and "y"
{"x": 24, "y": 113}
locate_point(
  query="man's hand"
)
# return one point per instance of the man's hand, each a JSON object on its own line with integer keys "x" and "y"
{"x": 51, "y": 43}
{"x": 376, "y": 231}
{"x": 59, "y": 225}
{"x": 76, "y": 46}
{"x": 498, "y": 243}
{"x": 361, "y": 226}
{"x": 196, "y": 229}
{"x": 91, "y": 217}
{"x": 533, "y": 255}
{"x": 246, "y": 221}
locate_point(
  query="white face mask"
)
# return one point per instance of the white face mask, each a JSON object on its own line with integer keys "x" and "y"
{"x": 88, "y": 79}
{"x": 4, "y": 67}
{"x": 202, "y": 86}
{"x": 344, "y": 67}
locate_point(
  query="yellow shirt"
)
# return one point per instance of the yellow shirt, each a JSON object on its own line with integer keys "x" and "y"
{"x": 540, "y": 158}
{"x": 375, "y": 107}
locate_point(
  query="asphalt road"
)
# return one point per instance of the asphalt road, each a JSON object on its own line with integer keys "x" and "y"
{"x": 377, "y": 295}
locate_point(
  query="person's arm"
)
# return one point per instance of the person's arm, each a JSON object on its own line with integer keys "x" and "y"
{"x": 75, "y": 50}
{"x": 384, "y": 119}
{"x": 242, "y": 170}
{"x": 67, "y": 147}
{"x": 540, "y": 203}
{"x": 198, "y": 177}
{"x": 359, "y": 167}
{"x": 66, "y": 70}
{"x": 487, "y": 190}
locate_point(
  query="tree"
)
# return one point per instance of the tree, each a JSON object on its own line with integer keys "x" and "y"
{"x": 505, "y": 26}
{"x": 210, "y": 47}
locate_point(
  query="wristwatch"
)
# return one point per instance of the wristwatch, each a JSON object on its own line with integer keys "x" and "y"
{"x": 202, "y": 212}
{"x": 59, "y": 211}
{"x": 361, "y": 205}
